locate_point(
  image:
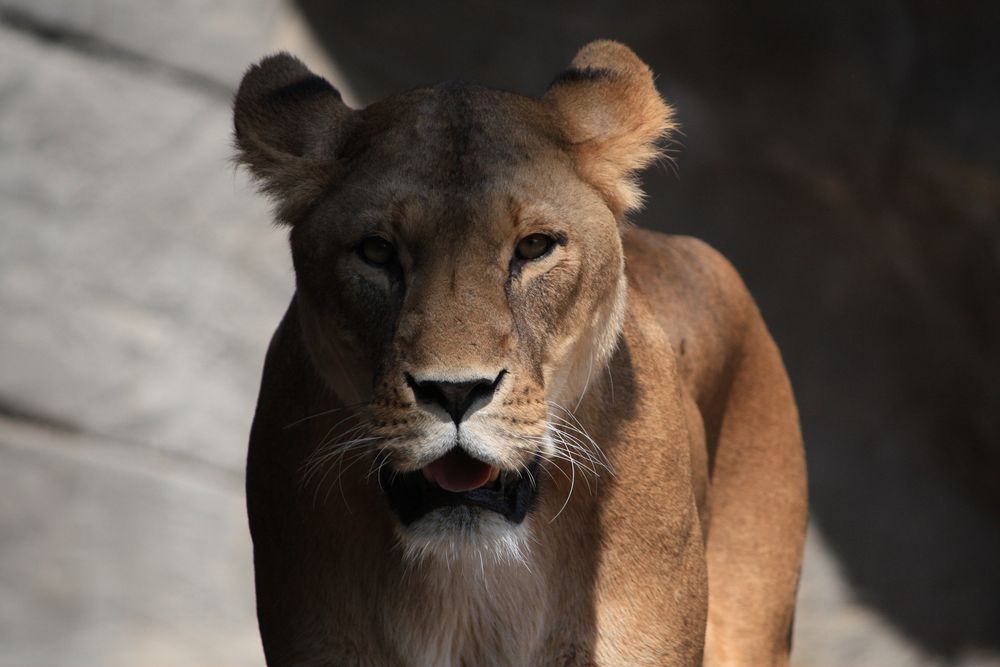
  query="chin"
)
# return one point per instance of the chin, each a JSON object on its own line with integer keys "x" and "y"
{"x": 462, "y": 535}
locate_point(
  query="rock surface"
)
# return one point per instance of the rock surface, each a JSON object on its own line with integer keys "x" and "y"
{"x": 139, "y": 283}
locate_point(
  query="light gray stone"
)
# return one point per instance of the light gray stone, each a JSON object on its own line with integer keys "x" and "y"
{"x": 116, "y": 556}
{"x": 139, "y": 283}
{"x": 832, "y": 628}
{"x": 217, "y": 38}
{"x": 139, "y": 278}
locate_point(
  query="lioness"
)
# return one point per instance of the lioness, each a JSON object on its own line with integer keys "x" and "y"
{"x": 497, "y": 425}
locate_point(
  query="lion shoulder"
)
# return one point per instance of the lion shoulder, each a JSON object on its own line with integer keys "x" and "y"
{"x": 696, "y": 297}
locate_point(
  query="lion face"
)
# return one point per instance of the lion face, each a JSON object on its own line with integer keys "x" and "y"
{"x": 459, "y": 272}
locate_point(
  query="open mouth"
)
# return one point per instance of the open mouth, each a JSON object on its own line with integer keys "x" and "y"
{"x": 458, "y": 479}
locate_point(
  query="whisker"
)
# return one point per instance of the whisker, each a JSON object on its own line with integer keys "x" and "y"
{"x": 577, "y": 427}
{"x": 339, "y": 455}
{"x": 342, "y": 450}
{"x": 333, "y": 446}
{"x": 325, "y": 440}
{"x": 572, "y": 444}
{"x": 586, "y": 385}
{"x": 611, "y": 381}
{"x": 569, "y": 494}
{"x": 324, "y": 412}
{"x": 574, "y": 463}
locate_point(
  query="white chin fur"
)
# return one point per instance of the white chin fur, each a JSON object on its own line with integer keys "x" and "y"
{"x": 457, "y": 536}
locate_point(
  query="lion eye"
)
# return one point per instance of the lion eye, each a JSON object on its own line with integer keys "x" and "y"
{"x": 534, "y": 246}
{"x": 376, "y": 250}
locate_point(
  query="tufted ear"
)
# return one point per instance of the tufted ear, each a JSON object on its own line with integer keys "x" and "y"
{"x": 289, "y": 123}
{"x": 613, "y": 118}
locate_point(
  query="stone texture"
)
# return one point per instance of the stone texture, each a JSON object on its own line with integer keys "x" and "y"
{"x": 834, "y": 627}
{"x": 115, "y": 558}
{"x": 139, "y": 284}
{"x": 215, "y": 39}
{"x": 140, "y": 278}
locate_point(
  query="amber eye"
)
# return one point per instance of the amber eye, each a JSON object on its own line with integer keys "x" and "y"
{"x": 376, "y": 250}
{"x": 534, "y": 246}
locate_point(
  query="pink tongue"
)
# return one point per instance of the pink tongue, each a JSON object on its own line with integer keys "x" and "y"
{"x": 456, "y": 471}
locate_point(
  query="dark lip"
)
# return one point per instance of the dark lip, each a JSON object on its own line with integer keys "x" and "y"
{"x": 411, "y": 496}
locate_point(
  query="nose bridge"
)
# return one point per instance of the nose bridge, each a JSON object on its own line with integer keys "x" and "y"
{"x": 458, "y": 319}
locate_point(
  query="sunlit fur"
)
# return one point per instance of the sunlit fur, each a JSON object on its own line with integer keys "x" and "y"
{"x": 668, "y": 523}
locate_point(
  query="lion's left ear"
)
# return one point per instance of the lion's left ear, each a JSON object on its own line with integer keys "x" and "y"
{"x": 613, "y": 118}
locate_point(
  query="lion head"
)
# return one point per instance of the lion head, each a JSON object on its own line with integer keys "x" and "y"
{"x": 459, "y": 265}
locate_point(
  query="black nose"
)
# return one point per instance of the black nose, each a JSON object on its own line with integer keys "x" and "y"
{"x": 455, "y": 397}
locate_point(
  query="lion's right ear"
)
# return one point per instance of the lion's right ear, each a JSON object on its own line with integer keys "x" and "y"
{"x": 289, "y": 124}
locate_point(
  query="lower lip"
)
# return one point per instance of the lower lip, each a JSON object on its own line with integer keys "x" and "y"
{"x": 412, "y": 496}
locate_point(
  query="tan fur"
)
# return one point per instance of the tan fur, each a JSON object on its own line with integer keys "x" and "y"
{"x": 672, "y": 537}
{"x": 612, "y": 120}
